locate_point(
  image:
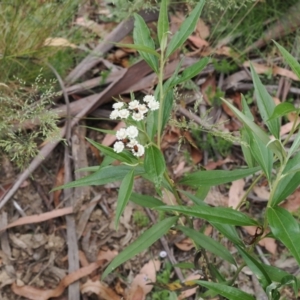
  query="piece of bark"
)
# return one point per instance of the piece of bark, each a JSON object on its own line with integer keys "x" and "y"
{"x": 80, "y": 161}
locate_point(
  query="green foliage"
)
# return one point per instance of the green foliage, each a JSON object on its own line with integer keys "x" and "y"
{"x": 140, "y": 219}
{"x": 23, "y": 105}
{"x": 266, "y": 157}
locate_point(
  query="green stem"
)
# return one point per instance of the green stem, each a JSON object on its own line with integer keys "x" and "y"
{"x": 161, "y": 98}
{"x": 243, "y": 200}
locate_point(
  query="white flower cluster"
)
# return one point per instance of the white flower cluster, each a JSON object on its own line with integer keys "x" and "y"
{"x": 135, "y": 107}
{"x": 127, "y": 137}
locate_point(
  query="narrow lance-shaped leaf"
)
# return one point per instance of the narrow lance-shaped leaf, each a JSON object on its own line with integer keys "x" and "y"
{"x": 286, "y": 229}
{"x": 223, "y": 215}
{"x": 216, "y": 177}
{"x": 185, "y": 30}
{"x": 163, "y": 21}
{"x": 138, "y": 47}
{"x": 123, "y": 156}
{"x": 141, "y": 36}
{"x": 293, "y": 63}
{"x": 208, "y": 244}
{"x": 265, "y": 104}
{"x": 262, "y": 155}
{"x": 124, "y": 195}
{"x": 256, "y": 267}
{"x": 226, "y": 291}
{"x": 282, "y": 109}
{"x": 154, "y": 164}
{"x": 255, "y": 129}
{"x": 143, "y": 242}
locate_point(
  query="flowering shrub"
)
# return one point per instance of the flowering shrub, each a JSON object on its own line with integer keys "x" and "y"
{"x": 138, "y": 149}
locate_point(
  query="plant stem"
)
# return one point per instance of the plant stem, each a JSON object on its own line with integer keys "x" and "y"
{"x": 161, "y": 97}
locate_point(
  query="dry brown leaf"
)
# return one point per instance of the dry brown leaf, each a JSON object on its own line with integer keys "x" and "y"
{"x": 139, "y": 287}
{"x": 168, "y": 198}
{"x": 99, "y": 288}
{"x": 268, "y": 243}
{"x": 196, "y": 155}
{"x": 202, "y": 29}
{"x": 190, "y": 292}
{"x": 262, "y": 192}
{"x": 236, "y": 193}
{"x": 198, "y": 41}
{"x": 293, "y": 202}
{"x": 185, "y": 244}
{"x": 100, "y": 29}
{"x": 58, "y": 42}
{"x": 33, "y": 293}
{"x": 261, "y": 69}
{"x": 212, "y": 165}
{"x": 109, "y": 139}
{"x": 179, "y": 169}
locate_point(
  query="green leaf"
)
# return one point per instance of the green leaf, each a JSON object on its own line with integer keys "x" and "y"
{"x": 245, "y": 145}
{"x": 144, "y": 241}
{"x": 102, "y": 176}
{"x": 124, "y": 195}
{"x": 293, "y": 63}
{"x": 208, "y": 244}
{"x": 167, "y": 108}
{"x": 126, "y": 157}
{"x": 250, "y": 124}
{"x": 223, "y": 215}
{"x": 274, "y": 273}
{"x": 288, "y": 182}
{"x": 141, "y": 36}
{"x": 202, "y": 192}
{"x": 295, "y": 145}
{"x": 229, "y": 231}
{"x": 197, "y": 200}
{"x": 282, "y": 109}
{"x": 192, "y": 71}
{"x": 246, "y": 110}
{"x": 226, "y": 291}
{"x": 255, "y": 129}
{"x": 256, "y": 268}
{"x": 265, "y": 104}
{"x": 262, "y": 155}
{"x": 215, "y": 177}
{"x": 286, "y": 229}
{"x": 185, "y": 30}
{"x": 154, "y": 164}
{"x": 163, "y": 21}
{"x": 145, "y": 200}
{"x": 138, "y": 47}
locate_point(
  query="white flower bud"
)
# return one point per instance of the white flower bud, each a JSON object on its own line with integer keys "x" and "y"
{"x": 114, "y": 114}
{"x": 142, "y": 108}
{"x": 132, "y": 132}
{"x": 133, "y": 104}
{"x": 118, "y": 105}
{"x": 121, "y": 134}
{"x": 124, "y": 113}
{"x": 138, "y": 150}
{"x": 118, "y": 147}
{"x": 153, "y": 105}
{"x": 137, "y": 116}
{"x": 148, "y": 98}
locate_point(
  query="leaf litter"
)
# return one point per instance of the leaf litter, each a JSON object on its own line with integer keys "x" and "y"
{"x": 28, "y": 241}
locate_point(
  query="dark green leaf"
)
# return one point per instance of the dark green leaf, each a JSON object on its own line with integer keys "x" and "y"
{"x": 126, "y": 157}
{"x": 167, "y": 108}
{"x": 286, "y": 229}
{"x": 282, "y": 109}
{"x": 256, "y": 268}
{"x": 215, "y": 177}
{"x": 228, "y": 231}
{"x": 293, "y": 63}
{"x": 163, "y": 21}
{"x": 102, "y": 176}
{"x": 124, "y": 195}
{"x": 265, "y": 104}
{"x": 140, "y": 48}
{"x": 154, "y": 164}
{"x": 262, "y": 155}
{"x": 288, "y": 182}
{"x": 223, "y": 215}
{"x": 274, "y": 273}
{"x": 246, "y": 138}
{"x": 141, "y": 36}
{"x": 186, "y": 29}
{"x": 208, "y": 244}
{"x": 192, "y": 71}
{"x": 145, "y": 200}
{"x": 295, "y": 145}
{"x": 226, "y": 291}
{"x": 143, "y": 242}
